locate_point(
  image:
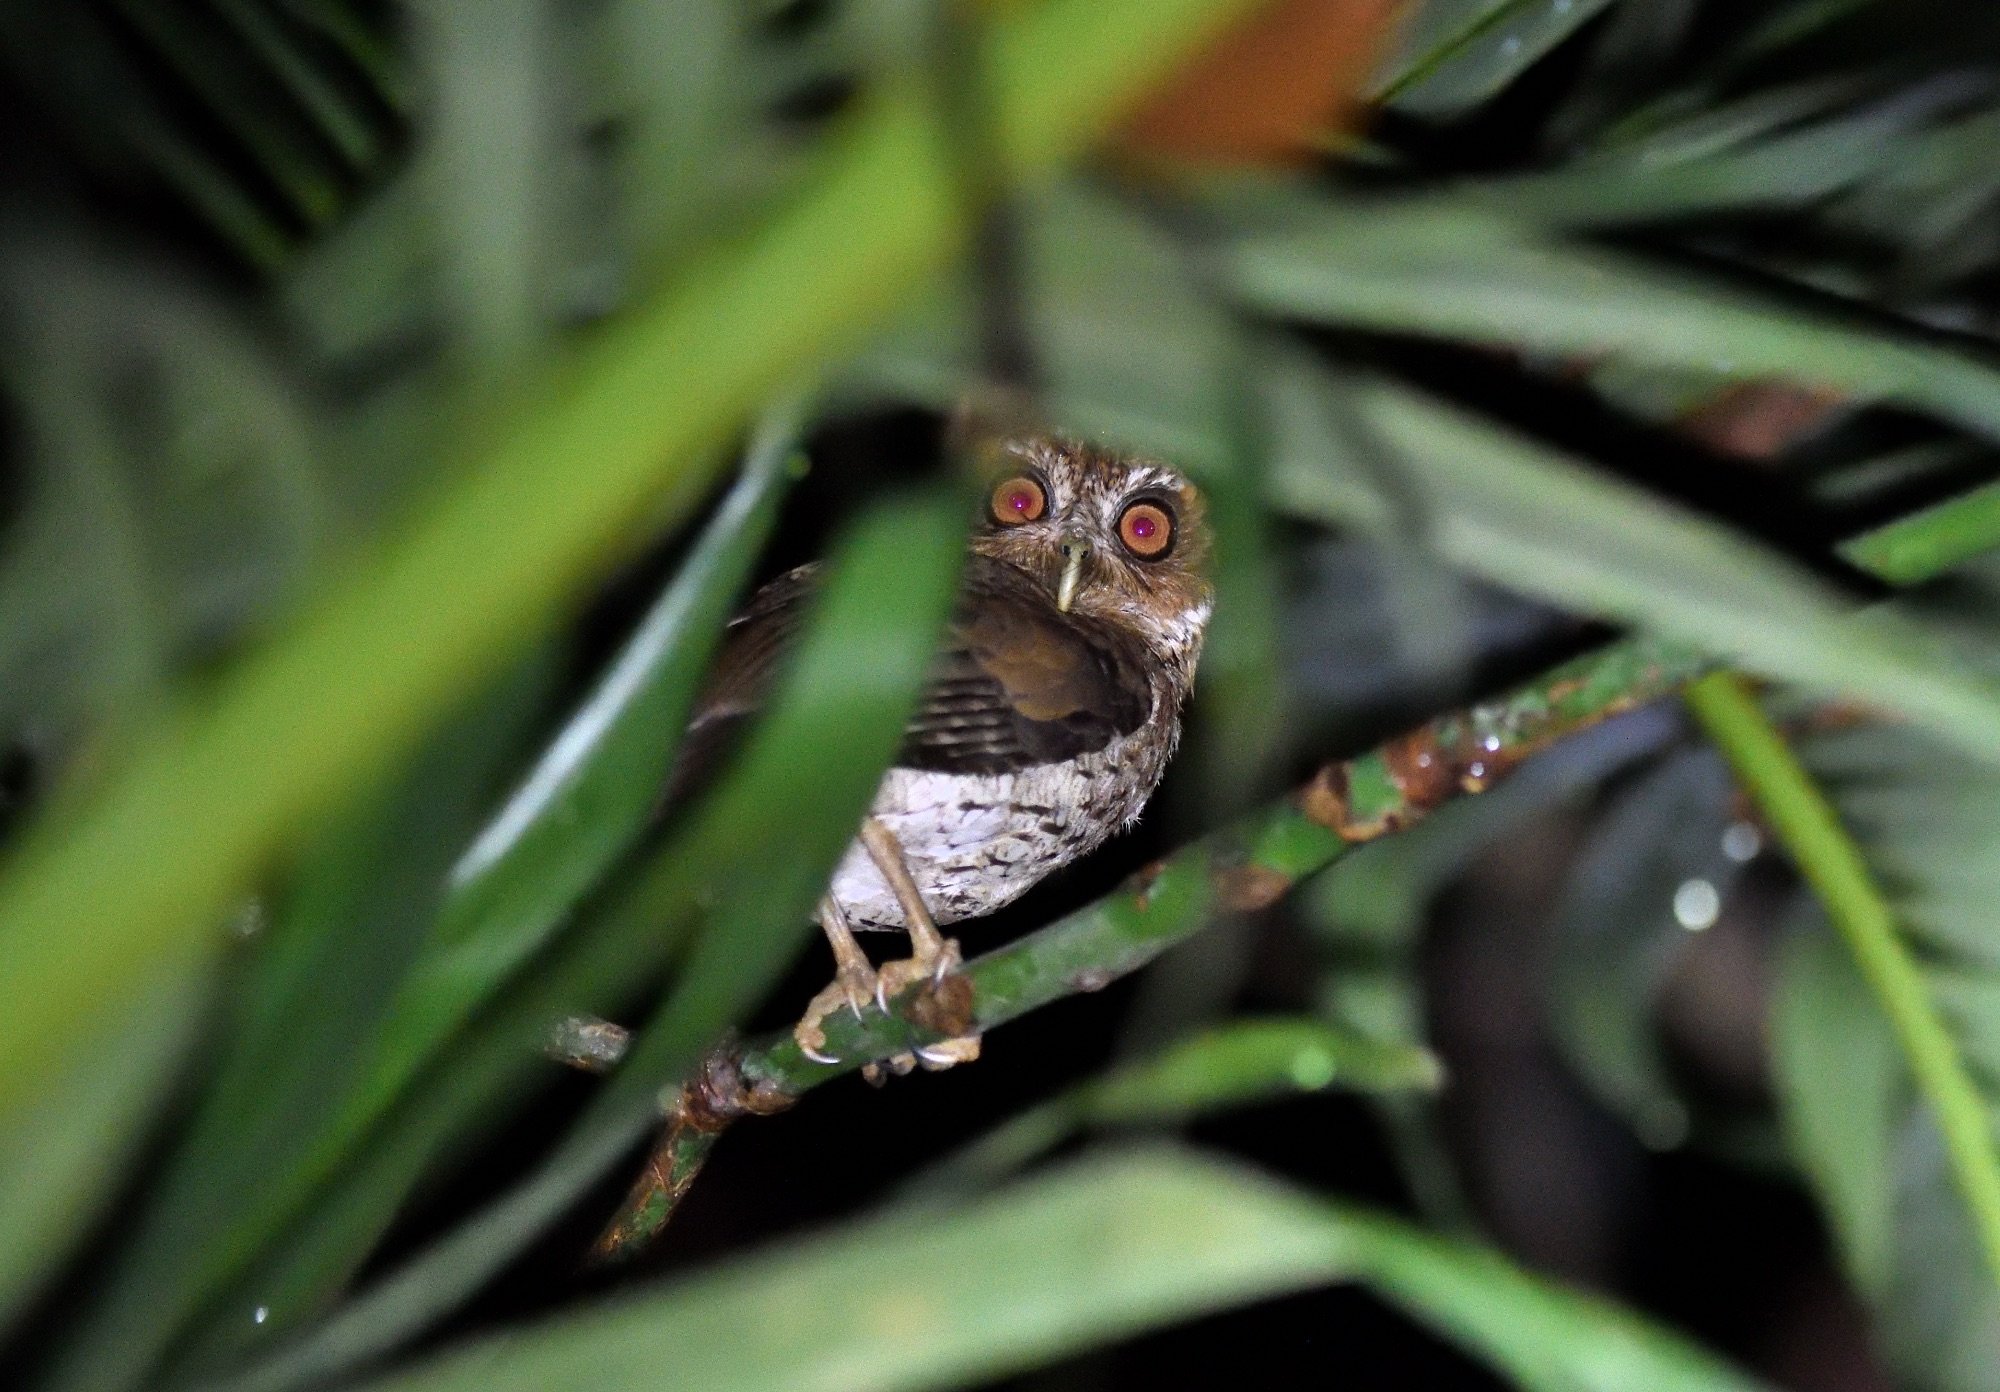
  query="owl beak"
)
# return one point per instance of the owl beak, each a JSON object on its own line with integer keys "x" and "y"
{"x": 1075, "y": 553}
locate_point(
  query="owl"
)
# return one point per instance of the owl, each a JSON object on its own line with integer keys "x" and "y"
{"x": 1046, "y": 721}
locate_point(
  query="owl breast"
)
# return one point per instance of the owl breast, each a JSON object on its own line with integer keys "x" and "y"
{"x": 976, "y": 842}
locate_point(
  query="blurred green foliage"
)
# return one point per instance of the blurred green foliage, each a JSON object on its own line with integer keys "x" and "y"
{"x": 398, "y": 399}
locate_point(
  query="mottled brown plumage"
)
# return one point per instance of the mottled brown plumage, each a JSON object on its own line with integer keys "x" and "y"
{"x": 1047, "y": 720}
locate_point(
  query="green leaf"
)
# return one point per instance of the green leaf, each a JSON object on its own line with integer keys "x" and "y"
{"x": 1237, "y": 1064}
{"x": 1842, "y": 1091}
{"x": 1454, "y": 54}
{"x": 1724, "y": 161}
{"x": 1455, "y": 268}
{"x": 590, "y": 794}
{"x": 1544, "y": 1337}
{"x": 465, "y": 928}
{"x": 1087, "y": 1254}
{"x": 751, "y": 863}
{"x": 1519, "y": 514}
{"x": 1252, "y": 1061}
{"x": 171, "y": 496}
{"x": 321, "y": 978}
{"x": 491, "y": 143}
{"x": 56, "y": 1173}
{"x": 1128, "y": 347}
{"x": 1928, "y": 824}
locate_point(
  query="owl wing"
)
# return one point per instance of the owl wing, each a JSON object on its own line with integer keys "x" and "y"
{"x": 1015, "y": 683}
{"x": 1020, "y": 683}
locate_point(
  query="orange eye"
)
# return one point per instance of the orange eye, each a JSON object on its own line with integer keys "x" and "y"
{"x": 1018, "y": 500}
{"x": 1147, "y": 529}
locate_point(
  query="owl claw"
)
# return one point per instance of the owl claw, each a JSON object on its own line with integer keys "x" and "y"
{"x": 949, "y": 1053}
{"x": 850, "y": 989}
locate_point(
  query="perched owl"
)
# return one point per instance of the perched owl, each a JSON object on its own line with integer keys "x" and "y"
{"x": 1046, "y": 721}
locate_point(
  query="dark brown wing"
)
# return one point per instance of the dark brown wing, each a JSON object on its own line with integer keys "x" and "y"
{"x": 1017, "y": 683}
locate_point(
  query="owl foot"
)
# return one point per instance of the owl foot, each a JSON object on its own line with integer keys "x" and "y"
{"x": 935, "y": 961}
{"x": 853, "y": 986}
{"x": 932, "y": 961}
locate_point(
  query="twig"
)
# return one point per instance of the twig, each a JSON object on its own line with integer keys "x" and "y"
{"x": 1244, "y": 867}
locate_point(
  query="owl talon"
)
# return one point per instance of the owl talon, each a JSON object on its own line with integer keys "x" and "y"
{"x": 949, "y": 1053}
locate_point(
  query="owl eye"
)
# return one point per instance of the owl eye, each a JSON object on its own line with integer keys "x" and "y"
{"x": 1018, "y": 500}
{"x": 1147, "y": 530}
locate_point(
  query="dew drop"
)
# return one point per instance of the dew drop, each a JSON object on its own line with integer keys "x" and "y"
{"x": 1511, "y": 45}
{"x": 260, "y": 1314}
{"x": 1312, "y": 1069}
{"x": 1742, "y": 841}
{"x": 1696, "y": 905}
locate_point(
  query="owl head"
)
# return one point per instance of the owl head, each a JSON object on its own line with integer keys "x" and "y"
{"x": 1116, "y": 539}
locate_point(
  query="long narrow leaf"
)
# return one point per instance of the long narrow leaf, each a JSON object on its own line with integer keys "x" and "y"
{"x": 751, "y": 863}
{"x": 1518, "y": 513}
{"x": 1096, "y": 1252}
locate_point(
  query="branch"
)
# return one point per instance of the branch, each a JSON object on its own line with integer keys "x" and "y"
{"x": 1241, "y": 868}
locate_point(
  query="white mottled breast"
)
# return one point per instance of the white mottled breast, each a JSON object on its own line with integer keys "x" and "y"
{"x": 976, "y": 842}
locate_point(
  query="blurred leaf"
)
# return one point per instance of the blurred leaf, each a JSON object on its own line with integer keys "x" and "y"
{"x": 164, "y": 444}
{"x": 1929, "y": 824}
{"x": 1129, "y": 345}
{"x": 1544, "y": 1337}
{"x": 1252, "y": 1061}
{"x": 1237, "y": 1064}
{"x": 321, "y": 978}
{"x": 1093, "y": 1252}
{"x": 1874, "y": 1159}
{"x": 56, "y": 1173}
{"x": 1518, "y": 514}
{"x": 308, "y": 76}
{"x": 470, "y": 927}
{"x": 682, "y": 80}
{"x": 1618, "y": 935}
{"x": 833, "y": 726}
{"x": 1455, "y": 54}
{"x": 1471, "y": 272}
{"x": 489, "y": 140}
{"x": 1730, "y": 159}
{"x": 1842, "y": 1088}
{"x": 591, "y": 793}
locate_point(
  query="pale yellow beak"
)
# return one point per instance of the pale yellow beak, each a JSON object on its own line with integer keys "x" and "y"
{"x": 1075, "y": 552}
